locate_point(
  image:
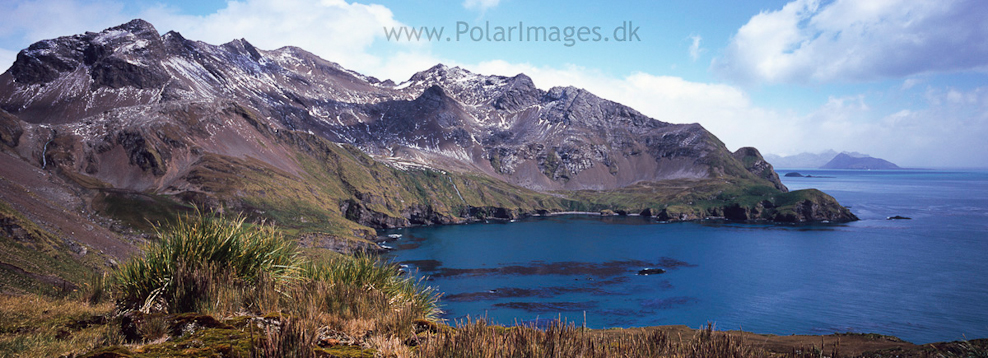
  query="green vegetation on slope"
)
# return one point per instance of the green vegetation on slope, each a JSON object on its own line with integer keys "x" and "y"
{"x": 344, "y": 193}
{"x": 33, "y": 260}
{"x": 734, "y": 199}
{"x": 154, "y": 209}
{"x": 327, "y": 193}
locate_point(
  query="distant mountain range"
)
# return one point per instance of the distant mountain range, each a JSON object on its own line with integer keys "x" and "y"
{"x": 101, "y": 133}
{"x": 829, "y": 160}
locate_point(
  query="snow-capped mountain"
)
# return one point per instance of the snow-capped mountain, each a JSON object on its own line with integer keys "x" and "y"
{"x": 564, "y": 138}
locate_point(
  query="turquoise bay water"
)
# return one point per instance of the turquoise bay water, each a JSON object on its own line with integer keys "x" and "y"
{"x": 923, "y": 280}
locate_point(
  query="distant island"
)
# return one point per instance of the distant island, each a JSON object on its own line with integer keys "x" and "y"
{"x": 844, "y": 161}
{"x": 830, "y": 160}
{"x": 798, "y": 175}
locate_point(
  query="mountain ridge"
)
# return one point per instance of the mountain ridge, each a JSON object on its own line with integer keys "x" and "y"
{"x": 381, "y": 119}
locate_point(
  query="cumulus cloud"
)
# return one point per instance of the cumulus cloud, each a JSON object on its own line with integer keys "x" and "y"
{"x": 695, "y": 49}
{"x": 911, "y": 82}
{"x": 480, "y": 5}
{"x": 850, "y": 40}
{"x": 25, "y": 22}
{"x": 7, "y": 58}
{"x": 949, "y": 132}
{"x": 35, "y": 20}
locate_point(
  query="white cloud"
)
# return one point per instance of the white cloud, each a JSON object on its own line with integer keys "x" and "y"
{"x": 7, "y": 58}
{"x": 25, "y": 22}
{"x": 949, "y": 132}
{"x": 480, "y": 5}
{"x": 910, "y": 83}
{"x": 35, "y": 20}
{"x": 695, "y": 49}
{"x": 400, "y": 66}
{"x": 850, "y": 40}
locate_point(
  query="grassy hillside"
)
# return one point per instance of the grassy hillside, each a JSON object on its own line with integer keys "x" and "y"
{"x": 344, "y": 192}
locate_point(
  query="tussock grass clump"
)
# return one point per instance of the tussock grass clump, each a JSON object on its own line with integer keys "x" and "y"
{"x": 348, "y": 276}
{"x": 228, "y": 269}
{"x": 195, "y": 251}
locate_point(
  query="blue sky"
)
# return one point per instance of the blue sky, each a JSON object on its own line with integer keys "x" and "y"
{"x": 905, "y": 80}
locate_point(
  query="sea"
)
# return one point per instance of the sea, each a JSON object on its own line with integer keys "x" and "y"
{"x": 923, "y": 279}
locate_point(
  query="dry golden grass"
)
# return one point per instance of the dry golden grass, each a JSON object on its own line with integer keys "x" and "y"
{"x": 37, "y": 326}
{"x": 478, "y": 339}
{"x": 389, "y": 347}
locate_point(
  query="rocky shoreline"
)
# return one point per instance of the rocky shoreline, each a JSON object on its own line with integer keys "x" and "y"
{"x": 734, "y": 213}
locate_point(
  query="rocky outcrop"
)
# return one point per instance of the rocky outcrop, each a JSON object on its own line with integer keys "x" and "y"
{"x": 755, "y": 164}
{"x": 815, "y": 207}
{"x": 492, "y": 212}
{"x": 802, "y": 206}
{"x": 355, "y": 211}
{"x": 650, "y": 271}
{"x": 10, "y": 129}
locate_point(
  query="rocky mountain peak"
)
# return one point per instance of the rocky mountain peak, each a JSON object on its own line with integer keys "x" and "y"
{"x": 133, "y": 38}
{"x": 241, "y": 46}
{"x": 433, "y": 98}
{"x": 138, "y": 27}
{"x": 116, "y": 57}
{"x": 173, "y": 36}
{"x": 519, "y": 93}
{"x": 434, "y": 73}
{"x": 561, "y": 93}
